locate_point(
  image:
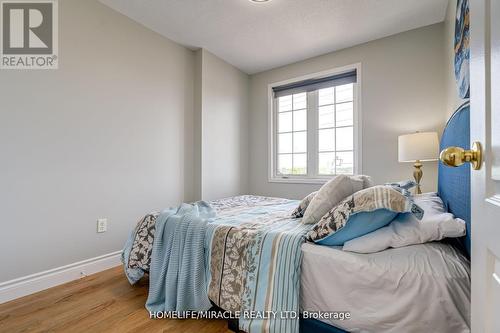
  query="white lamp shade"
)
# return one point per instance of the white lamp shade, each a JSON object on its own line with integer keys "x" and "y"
{"x": 418, "y": 146}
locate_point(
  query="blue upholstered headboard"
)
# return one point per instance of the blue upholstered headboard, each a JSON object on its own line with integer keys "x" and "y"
{"x": 454, "y": 183}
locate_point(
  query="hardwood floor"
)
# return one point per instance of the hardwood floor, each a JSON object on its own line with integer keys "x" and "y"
{"x": 103, "y": 302}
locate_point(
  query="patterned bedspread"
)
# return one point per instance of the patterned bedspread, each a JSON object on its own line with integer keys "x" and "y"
{"x": 252, "y": 256}
{"x": 255, "y": 261}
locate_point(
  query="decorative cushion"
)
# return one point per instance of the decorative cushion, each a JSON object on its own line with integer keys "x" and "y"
{"x": 367, "y": 180}
{"x": 301, "y": 208}
{"x": 361, "y": 213}
{"x": 138, "y": 260}
{"x": 329, "y": 195}
{"x": 405, "y": 230}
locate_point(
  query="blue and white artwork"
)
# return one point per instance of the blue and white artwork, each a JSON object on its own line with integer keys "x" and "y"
{"x": 462, "y": 48}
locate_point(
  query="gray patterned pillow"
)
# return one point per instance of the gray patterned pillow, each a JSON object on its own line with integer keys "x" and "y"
{"x": 301, "y": 208}
{"x": 361, "y": 213}
{"x": 140, "y": 254}
{"x": 329, "y": 195}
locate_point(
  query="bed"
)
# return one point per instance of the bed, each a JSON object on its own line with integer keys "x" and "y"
{"x": 247, "y": 253}
{"x": 405, "y": 277}
{"x": 392, "y": 270}
{"x": 397, "y": 290}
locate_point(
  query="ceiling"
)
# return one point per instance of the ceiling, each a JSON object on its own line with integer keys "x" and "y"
{"x": 259, "y": 36}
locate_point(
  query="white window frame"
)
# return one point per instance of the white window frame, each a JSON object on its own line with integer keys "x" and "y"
{"x": 313, "y": 178}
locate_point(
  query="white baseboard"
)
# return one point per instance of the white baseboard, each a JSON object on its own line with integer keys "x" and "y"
{"x": 31, "y": 284}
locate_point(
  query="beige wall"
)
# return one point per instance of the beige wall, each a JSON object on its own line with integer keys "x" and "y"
{"x": 402, "y": 92}
{"x": 222, "y": 109}
{"x": 453, "y": 101}
{"x": 105, "y": 135}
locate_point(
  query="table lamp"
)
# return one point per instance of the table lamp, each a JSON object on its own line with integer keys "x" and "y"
{"x": 417, "y": 148}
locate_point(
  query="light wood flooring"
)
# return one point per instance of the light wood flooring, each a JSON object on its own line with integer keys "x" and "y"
{"x": 103, "y": 302}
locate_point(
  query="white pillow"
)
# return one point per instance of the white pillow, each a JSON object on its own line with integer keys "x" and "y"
{"x": 431, "y": 203}
{"x": 329, "y": 195}
{"x": 406, "y": 230}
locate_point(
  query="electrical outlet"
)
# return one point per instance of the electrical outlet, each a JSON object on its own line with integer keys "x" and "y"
{"x": 102, "y": 225}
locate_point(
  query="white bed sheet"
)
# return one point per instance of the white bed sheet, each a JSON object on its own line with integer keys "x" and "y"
{"x": 418, "y": 288}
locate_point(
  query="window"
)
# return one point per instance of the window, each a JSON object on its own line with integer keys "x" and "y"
{"x": 315, "y": 127}
{"x": 292, "y": 134}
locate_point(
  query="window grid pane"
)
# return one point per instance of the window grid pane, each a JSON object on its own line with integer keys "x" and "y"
{"x": 344, "y": 93}
{"x": 285, "y": 143}
{"x": 299, "y": 142}
{"x": 335, "y": 154}
{"x": 300, "y": 120}
{"x": 326, "y": 96}
{"x": 285, "y": 122}
{"x": 292, "y": 135}
{"x": 344, "y": 114}
{"x": 299, "y": 164}
{"x": 344, "y": 163}
{"x": 299, "y": 101}
{"x": 326, "y": 139}
{"x": 285, "y": 103}
{"x": 326, "y": 163}
{"x": 285, "y": 164}
{"x": 292, "y": 164}
{"x": 344, "y": 138}
{"x": 326, "y": 116}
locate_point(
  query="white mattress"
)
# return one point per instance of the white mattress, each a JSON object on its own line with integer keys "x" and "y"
{"x": 419, "y": 288}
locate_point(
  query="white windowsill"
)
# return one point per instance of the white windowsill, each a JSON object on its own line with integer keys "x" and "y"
{"x": 299, "y": 180}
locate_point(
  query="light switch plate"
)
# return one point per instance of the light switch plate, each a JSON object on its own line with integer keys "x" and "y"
{"x": 102, "y": 225}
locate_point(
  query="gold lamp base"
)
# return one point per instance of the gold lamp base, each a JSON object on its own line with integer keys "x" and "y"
{"x": 417, "y": 174}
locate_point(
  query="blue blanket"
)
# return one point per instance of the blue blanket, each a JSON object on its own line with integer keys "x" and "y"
{"x": 177, "y": 280}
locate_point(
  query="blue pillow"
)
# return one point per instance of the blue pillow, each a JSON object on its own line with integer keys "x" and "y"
{"x": 361, "y": 213}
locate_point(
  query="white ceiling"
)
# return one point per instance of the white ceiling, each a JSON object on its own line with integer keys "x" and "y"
{"x": 256, "y": 37}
